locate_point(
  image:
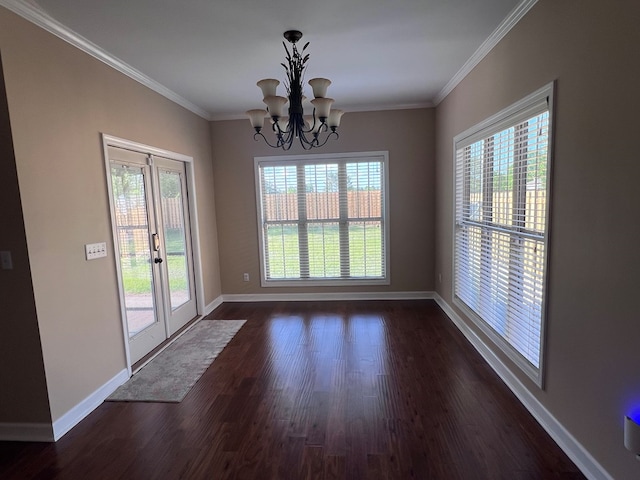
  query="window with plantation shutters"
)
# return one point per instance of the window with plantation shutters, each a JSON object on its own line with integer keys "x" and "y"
{"x": 322, "y": 218}
{"x": 501, "y": 227}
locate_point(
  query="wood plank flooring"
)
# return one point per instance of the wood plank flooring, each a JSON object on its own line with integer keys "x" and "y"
{"x": 327, "y": 390}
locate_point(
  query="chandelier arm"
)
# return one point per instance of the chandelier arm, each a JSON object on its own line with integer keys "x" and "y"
{"x": 285, "y": 137}
{"x": 327, "y": 138}
{"x": 287, "y": 141}
{"x": 279, "y": 131}
{"x": 312, "y": 127}
{"x": 305, "y": 143}
{"x": 259, "y": 134}
{"x": 323, "y": 127}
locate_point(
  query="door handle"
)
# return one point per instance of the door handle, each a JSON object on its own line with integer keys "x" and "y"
{"x": 157, "y": 260}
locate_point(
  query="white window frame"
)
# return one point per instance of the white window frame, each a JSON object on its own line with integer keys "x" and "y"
{"x": 383, "y": 157}
{"x": 510, "y": 116}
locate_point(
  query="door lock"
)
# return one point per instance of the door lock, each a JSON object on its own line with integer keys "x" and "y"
{"x": 157, "y": 260}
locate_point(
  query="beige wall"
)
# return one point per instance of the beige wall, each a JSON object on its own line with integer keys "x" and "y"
{"x": 406, "y": 134}
{"x": 21, "y": 367}
{"x": 60, "y": 100}
{"x": 593, "y": 327}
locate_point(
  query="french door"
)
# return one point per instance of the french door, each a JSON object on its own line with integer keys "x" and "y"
{"x": 150, "y": 212}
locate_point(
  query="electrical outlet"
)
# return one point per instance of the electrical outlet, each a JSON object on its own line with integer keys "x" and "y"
{"x": 7, "y": 262}
{"x": 95, "y": 250}
{"x": 245, "y": 277}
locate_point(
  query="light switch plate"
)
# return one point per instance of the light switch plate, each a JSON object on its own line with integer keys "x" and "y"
{"x": 95, "y": 250}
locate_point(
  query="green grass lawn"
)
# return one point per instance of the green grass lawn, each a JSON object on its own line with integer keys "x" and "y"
{"x": 365, "y": 247}
{"x": 365, "y": 251}
{"x": 136, "y": 272}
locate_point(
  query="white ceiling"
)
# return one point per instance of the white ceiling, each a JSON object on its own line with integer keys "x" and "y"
{"x": 379, "y": 54}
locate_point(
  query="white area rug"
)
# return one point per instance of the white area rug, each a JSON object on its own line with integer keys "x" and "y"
{"x": 170, "y": 376}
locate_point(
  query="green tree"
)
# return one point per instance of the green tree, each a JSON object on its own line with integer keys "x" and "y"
{"x": 170, "y": 185}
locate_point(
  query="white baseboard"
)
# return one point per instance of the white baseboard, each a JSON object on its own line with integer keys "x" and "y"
{"x": 70, "y": 419}
{"x": 314, "y": 297}
{"x": 567, "y": 442}
{"x": 46, "y": 432}
{"x": 212, "y": 306}
{"x": 26, "y": 432}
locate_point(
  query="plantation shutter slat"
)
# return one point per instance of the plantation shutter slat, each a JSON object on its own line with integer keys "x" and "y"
{"x": 324, "y": 219}
{"x": 501, "y": 227}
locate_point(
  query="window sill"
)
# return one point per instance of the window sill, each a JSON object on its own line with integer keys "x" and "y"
{"x": 325, "y": 282}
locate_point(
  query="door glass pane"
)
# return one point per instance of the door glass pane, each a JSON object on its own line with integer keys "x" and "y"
{"x": 132, "y": 224}
{"x": 175, "y": 237}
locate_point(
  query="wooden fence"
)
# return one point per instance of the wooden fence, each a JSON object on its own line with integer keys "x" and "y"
{"x": 321, "y": 205}
{"x": 172, "y": 212}
{"x": 133, "y": 212}
{"x": 536, "y": 208}
{"x": 132, "y": 223}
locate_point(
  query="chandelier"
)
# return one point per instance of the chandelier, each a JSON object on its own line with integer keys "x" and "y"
{"x": 313, "y": 131}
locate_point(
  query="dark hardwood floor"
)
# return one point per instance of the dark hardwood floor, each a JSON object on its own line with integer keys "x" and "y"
{"x": 327, "y": 390}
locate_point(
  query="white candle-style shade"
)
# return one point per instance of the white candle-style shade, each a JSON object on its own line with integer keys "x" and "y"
{"x": 319, "y": 86}
{"x": 256, "y": 117}
{"x": 274, "y": 105}
{"x": 334, "y": 118}
{"x": 309, "y": 121}
{"x": 322, "y": 106}
{"x": 268, "y": 87}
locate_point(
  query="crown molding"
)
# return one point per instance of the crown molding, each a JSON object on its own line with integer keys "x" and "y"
{"x": 38, "y": 17}
{"x": 387, "y": 107}
{"x": 498, "y": 34}
{"x": 347, "y": 109}
{"x": 34, "y": 14}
